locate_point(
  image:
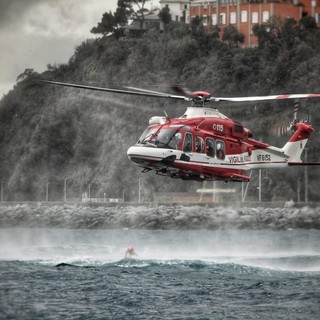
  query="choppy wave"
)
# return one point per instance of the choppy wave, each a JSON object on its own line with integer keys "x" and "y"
{"x": 48, "y": 273}
{"x": 162, "y": 217}
{"x": 267, "y": 267}
{"x": 300, "y": 263}
{"x": 222, "y": 264}
{"x": 176, "y": 288}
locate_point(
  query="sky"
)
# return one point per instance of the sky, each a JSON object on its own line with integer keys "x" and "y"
{"x": 35, "y": 33}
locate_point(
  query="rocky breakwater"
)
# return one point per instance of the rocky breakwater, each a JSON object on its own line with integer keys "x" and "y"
{"x": 162, "y": 217}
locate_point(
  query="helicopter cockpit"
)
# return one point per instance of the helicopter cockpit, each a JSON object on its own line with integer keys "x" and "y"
{"x": 160, "y": 137}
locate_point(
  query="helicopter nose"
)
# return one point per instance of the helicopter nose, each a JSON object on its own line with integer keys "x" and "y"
{"x": 140, "y": 155}
{"x": 131, "y": 152}
{"x": 143, "y": 156}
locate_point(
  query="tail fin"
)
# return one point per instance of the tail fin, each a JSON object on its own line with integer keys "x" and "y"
{"x": 294, "y": 147}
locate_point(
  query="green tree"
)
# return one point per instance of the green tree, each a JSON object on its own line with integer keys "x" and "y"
{"x": 199, "y": 33}
{"x": 107, "y": 25}
{"x": 165, "y": 15}
{"x": 114, "y": 22}
{"x": 289, "y": 32}
{"x": 214, "y": 32}
{"x": 276, "y": 33}
{"x": 309, "y": 32}
{"x": 197, "y": 27}
{"x": 26, "y": 74}
{"x": 232, "y": 36}
{"x": 308, "y": 22}
{"x": 135, "y": 8}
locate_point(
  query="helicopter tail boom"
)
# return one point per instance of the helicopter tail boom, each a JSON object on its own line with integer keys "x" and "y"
{"x": 291, "y": 164}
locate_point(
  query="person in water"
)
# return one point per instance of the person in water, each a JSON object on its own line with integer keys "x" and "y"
{"x": 130, "y": 252}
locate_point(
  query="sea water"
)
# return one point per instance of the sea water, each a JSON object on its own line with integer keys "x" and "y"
{"x": 223, "y": 274}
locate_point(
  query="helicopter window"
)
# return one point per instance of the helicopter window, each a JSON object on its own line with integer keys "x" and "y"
{"x": 220, "y": 147}
{"x": 175, "y": 140}
{"x": 210, "y": 147}
{"x": 199, "y": 144}
{"x": 187, "y": 146}
{"x": 168, "y": 138}
{"x": 238, "y": 128}
{"x": 147, "y": 134}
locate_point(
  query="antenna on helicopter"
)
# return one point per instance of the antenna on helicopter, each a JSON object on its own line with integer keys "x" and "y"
{"x": 167, "y": 117}
{"x": 295, "y": 116}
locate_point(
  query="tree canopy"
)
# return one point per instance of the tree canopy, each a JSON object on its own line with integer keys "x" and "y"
{"x": 113, "y": 23}
{"x": 165, "y": 15}
{"x": 232, "y": 36}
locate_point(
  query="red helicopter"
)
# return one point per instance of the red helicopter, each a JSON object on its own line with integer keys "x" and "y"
{"x": 203, "y": 144}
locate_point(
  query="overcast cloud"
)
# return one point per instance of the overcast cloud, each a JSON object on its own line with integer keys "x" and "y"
{"x": 35, "y": 33}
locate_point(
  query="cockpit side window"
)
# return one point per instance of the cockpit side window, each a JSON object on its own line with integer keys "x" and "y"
{"x": 210, "y": 150}
{"x": 176, "y": 140}
{"x": 187, "y": 145}
{"x": 199, "y": 144}
{"x": 147, "y": 134}
{"x": 220, "y": 147}
{"x": 168, "y": 138}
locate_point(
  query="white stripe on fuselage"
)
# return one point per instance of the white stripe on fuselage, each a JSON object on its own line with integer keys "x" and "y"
{"x": 259, "y": 159}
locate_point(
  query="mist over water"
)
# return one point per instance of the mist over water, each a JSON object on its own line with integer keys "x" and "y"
{"x": 293, "y": 250}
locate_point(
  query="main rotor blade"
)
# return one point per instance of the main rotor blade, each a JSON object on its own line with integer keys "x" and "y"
{"x": 265, "y": 98}
{"x": 145, "y": 93}
{"x": 162, "y": 94}
{"x": 186, "y": 95}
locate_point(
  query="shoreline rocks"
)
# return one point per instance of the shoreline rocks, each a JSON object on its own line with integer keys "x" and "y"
{"x": 162, "y": 217}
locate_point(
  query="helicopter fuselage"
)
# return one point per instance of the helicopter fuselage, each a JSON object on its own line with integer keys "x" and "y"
{"x": 204, "y": 144}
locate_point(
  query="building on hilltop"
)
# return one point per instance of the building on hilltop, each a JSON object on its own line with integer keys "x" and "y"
{"x": 242, "y": 14}
{"x": 179, "y": 9}
{"x": 139, "y": 25}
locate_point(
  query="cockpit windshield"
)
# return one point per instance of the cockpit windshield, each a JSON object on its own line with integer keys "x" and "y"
{"x": 169, "y": 138}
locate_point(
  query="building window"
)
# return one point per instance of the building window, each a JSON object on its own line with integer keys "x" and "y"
{"x": 222, "y": 18}
{"x": 255, "y": 17}
{"x": 204, "y": 20}
{"x": 214, "y": 19}
{"x": 265, "y": 16}
{"x": 233, "y": 18}
{"x": 244, "y": 16}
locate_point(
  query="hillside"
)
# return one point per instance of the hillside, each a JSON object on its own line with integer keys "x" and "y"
{"x": 49, "y": 134}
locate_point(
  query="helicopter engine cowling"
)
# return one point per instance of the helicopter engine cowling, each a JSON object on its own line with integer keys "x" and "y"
{"x": 157, "y": 120}
{"x": 203, "y": 94}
